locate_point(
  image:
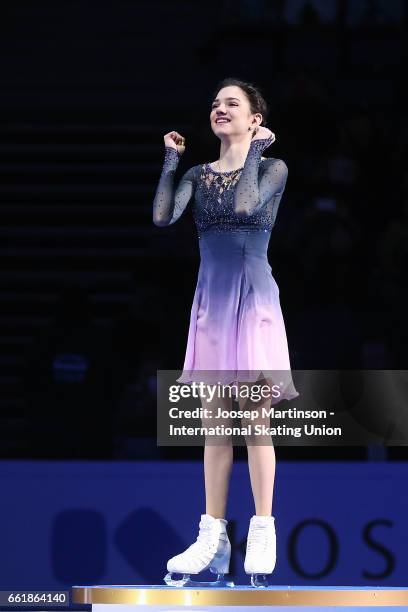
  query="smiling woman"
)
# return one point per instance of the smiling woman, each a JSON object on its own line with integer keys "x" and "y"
{"x": 229, "y": 110}
{"x": 236, "y": 332}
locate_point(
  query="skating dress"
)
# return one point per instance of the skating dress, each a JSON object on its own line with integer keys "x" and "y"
{"x": 236, "y": 331}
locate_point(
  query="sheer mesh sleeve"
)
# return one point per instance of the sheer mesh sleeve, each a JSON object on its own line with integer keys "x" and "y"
{"x": 169, "y": 201}
{"x": 252, "y": 192}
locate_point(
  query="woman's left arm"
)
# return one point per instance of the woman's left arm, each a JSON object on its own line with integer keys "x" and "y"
{"x": 250, "y": 193}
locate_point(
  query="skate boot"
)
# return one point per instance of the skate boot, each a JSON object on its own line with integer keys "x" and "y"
{"x": 211, "y": 550}
{"x": 260, "y": 558}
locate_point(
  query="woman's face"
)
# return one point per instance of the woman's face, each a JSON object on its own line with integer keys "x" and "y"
{"x": 232, "y": 105}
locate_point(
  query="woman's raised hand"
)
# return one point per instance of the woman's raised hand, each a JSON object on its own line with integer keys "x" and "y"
{"x": 262, "y": 132}
{"x": 175, "y": 140}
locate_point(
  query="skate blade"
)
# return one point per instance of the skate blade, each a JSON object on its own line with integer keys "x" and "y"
{"x": 259, "y": 581}
{"x": 186, "y": 581}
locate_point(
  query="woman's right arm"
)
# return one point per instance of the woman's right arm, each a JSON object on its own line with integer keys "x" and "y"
{"x": 169, "y": 202}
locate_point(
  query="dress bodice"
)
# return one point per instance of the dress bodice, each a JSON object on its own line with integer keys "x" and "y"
{"x": 243, "y": 199}
{"x": 213, "y": 206}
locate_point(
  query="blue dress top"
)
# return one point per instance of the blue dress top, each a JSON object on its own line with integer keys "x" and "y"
{"x": 243, "y": 199}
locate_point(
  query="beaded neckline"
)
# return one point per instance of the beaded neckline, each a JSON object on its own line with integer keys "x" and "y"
{"x": 227, "y": 172}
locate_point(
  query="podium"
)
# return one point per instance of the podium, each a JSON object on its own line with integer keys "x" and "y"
{"x": 157, "y": 598}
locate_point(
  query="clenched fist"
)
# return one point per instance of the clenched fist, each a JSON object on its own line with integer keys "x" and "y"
{"x": 175, "y": 140}
{"x": 262, "y": 132}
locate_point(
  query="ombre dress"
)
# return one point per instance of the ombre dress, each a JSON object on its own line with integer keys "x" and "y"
{"x": 236, "y": 332}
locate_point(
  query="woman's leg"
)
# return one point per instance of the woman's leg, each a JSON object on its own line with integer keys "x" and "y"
{"x": 261, "y": 456}
{"x": 218, "y": 458}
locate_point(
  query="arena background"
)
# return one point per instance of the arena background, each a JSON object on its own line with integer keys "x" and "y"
{"x": 95, "y": 298}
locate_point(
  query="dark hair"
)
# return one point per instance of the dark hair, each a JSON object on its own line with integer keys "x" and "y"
{"x": 254, "y": 94}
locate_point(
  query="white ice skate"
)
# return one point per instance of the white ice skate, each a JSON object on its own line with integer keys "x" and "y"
{"x": 260, "y": 558}
{"x": 211, "y": 550}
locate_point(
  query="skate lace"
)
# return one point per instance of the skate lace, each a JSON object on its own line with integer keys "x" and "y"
{"x": 258, "y": 539}
{"x": 204, "y": 540}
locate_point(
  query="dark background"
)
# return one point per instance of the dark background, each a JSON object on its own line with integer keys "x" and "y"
{"x": 94, "y": 297}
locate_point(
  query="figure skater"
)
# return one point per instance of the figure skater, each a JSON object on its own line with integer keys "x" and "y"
{"x": 237, "y": 332}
